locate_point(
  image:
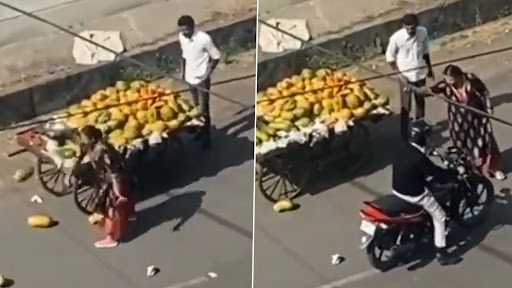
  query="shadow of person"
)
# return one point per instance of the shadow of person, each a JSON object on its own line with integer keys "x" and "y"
{"x": 501, "y": 99}
{"x": 500, "y": 216}
{"x": 373, "y": 155}
{"x": 241, "y": 125}
{"x": 464, "y": 240}
{"x": 230, "y": 148}
{"x": 440, "y": 135}
{"x": 506, "y": 160}
{"x": 181, "y": 207}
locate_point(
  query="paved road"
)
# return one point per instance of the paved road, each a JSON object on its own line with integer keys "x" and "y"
{"x": 214, "y": 196}
{"x": 79, "y": 15}
{"x": 63, "y": 12}
{"x": 293, "y": 250}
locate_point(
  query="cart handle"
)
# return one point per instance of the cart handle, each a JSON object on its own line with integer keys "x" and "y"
{"x": 17, "y": 152}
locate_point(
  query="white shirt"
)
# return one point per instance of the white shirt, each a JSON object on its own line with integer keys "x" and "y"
{"x": 197, "y": 52}
{"x": 408, "y": 52}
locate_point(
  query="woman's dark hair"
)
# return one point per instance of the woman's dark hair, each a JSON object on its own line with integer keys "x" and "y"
{"x": 92, "y": 133}
{"x": 453, "y": 71}
{"x": 187, "y": 21}
{"x": 410, "y": 20}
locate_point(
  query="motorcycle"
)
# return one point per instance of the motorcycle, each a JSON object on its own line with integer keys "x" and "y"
{"x": 390, "y": 224}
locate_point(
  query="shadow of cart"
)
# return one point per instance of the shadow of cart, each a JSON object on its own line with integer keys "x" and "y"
{"x": 229, "y": 148}
{"x": 314, "y": 170}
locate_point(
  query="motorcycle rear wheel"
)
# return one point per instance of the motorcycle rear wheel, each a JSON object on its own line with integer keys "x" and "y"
{"x": 375, "y": 257}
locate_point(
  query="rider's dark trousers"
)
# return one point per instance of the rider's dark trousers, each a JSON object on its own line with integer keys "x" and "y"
{"x": 201, "y": 99}
{"x": 405, "y": 104}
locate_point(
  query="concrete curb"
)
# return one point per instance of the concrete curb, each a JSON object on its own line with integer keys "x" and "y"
{"x": 30, "y": 101}
{"x": 371, "y": 41}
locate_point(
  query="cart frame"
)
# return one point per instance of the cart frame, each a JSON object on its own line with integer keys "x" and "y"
{"x": 293, "y": 167}
{"x": 88, "y": 197}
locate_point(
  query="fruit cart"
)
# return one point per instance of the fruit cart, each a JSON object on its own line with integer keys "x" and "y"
{"x": 299, "y": 133}
{"x": 55, "y": 144}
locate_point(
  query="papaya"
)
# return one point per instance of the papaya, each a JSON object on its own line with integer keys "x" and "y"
{"x": 262, "y": 136}
{"x": 173, "y": 124}
{"x": 359, "y": 112}
{"x": 299, "y": 112}
{"x": 381, "y": 101}
{"x": 281, "y": 125}
{"x": 184, "y": 104}
{"x": 345, "y": 114}
{"x": 287, "y": 115}
{"x": 353, "y": 101}
{"x": 283, "y": 205}
{"x": 370, "y": 93}
{"x": 40, "y": 221}
{"x": 303, "y": 122}
{"x": 269, "y": 130}
{"x": 268, "y": 118}
{"x": 317, "y": 109}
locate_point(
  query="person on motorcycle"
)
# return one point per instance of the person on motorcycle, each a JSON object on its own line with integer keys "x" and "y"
{"x": 411, "y": 168}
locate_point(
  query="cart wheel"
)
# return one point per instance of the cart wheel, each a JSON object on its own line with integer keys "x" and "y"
{"x": 274, "y": 186}
{"x": 88, "y": 199}
{"x": 52, "y": 179}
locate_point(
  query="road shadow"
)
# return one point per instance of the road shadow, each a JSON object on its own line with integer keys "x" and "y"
{"x": 181, "y": 207}
{"x": 506, "y": 160}
{"x": 230, "y": 148}
{"x": 463, "y": 241}
{"x": 440, "y": 135}
{"x": 501, "y": 99}
{"x": 501, "y": 216}
{"x": 376, "y": 155}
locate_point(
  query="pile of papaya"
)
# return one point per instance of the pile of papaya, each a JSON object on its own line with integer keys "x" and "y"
{"x": 129, "y": 111}
{"x": 298, "y": 101}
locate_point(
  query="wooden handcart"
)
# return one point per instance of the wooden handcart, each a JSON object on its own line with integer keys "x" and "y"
{"x": 285, "y": 173}
{"x": 56, "y": 177}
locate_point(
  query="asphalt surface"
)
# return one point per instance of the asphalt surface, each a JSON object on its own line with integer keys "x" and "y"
{"x": 211, "y": 193}
{"x": 294, "y": 250}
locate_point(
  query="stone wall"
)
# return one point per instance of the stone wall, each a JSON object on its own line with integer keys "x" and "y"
{"x": 371, "y": 41}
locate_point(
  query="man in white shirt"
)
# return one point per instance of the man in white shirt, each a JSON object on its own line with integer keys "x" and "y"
{"x": 200, "y": 56}
{"x": 408, "y": 52}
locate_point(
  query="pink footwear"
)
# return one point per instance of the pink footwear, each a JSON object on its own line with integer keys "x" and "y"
{"x": 106, "y": 243}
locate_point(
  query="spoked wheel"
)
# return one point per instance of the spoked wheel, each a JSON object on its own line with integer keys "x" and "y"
{"x": 51, "y": 177}
{"x": 475, "y": 206}
{"x": 381, "y": 256}
{"x": 89, "y": 199}
{"x": 282, "y": 183}
{"x": 88, "y": 195}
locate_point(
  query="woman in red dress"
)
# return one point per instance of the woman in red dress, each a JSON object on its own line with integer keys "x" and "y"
{"x": 469, "y": 131}
{"x": 108, "y": 165}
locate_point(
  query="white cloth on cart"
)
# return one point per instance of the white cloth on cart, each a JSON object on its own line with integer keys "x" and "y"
{"x": 272, "y": 41}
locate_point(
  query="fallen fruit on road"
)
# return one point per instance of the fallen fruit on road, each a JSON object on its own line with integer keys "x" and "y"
{"x": 95, "y": 218}
{"x": 22, "y": 175}
{"x": 40, "y": 221}
{"x": 283, "y": 205}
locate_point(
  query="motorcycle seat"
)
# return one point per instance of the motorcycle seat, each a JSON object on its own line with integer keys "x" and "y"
{"x": 394, "y": 206}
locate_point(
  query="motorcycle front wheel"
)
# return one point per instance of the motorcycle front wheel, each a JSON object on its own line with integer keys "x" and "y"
{"x": 476, "y": 203}
{"x": 381, "y": 251}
